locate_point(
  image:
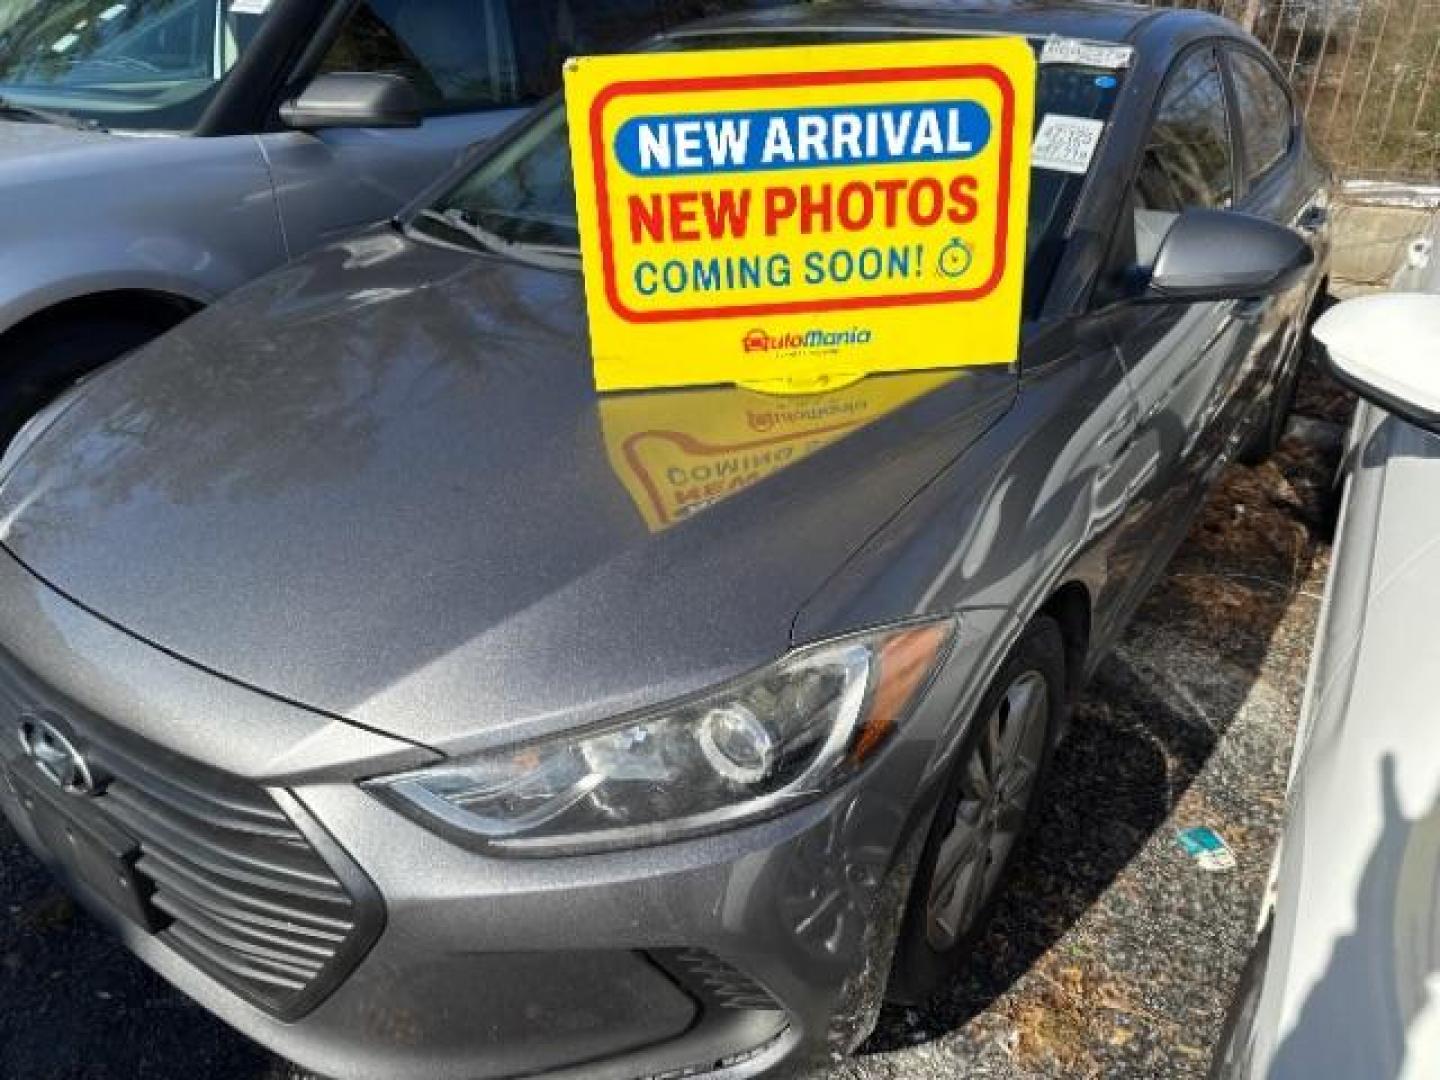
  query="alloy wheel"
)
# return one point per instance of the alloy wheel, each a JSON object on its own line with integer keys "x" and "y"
{"x": 995, "y": 791}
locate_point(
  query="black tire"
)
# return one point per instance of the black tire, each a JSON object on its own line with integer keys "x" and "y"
{"x": 1233, "y": 1051}
{"x": 1271, "y": 433}
{"x": 922, "y": 962}
{"x": 38, "y": 364}
{"x": 1267, "y": 439}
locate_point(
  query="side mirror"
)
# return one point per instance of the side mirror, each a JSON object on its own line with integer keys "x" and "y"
{"x": 354, "y": 100}
{"x": 1387, "y": 349}
{"x": 1213, "y": 255}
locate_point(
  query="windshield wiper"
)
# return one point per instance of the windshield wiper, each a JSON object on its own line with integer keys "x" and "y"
{"x": 47, "y": 116}
{"x": 552, "y": 256}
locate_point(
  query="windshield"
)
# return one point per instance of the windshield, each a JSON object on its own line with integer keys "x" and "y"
{"x": 522, "y": 200}
{"x": 147, "y": 64}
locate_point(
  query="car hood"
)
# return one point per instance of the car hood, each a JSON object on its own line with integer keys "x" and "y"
{"x": 404, "y": 504}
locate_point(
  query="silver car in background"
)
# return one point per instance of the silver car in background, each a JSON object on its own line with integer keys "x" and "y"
{"x": 1345, "y": 980}
{"x": 155, "y": 154}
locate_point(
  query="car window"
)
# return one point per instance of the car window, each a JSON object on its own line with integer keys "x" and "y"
{"x": 1268, "y": 117}
{"x": 476, "y": 54}
{"x": 606, "y": 25}
{"x": 456, "y": 53}
{"x": 547, "y": 32}
{"x": 1188, "y": 161}
{"x": 140, "y": 64}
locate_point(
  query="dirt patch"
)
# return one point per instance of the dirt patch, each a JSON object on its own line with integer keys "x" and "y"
{"x": 1252, "y": 551}
{"x": 1324, "y": 399}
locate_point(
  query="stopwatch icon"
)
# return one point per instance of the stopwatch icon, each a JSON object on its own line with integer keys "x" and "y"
{"x": 956, "y": 259}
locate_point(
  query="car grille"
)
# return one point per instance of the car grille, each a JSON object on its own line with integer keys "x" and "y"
{"x": 241, "y": 888}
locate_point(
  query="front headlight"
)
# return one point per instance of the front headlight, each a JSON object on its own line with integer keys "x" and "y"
{"x": 753, "y": 748}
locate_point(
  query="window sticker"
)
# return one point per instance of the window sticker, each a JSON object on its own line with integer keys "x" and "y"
{"x": 1067, "y": 143}
{"x": 1060, "y": 50}
{"x": 249, "y": 7}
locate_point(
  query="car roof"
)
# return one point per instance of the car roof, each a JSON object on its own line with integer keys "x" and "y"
{"x": 1095, "y": 20}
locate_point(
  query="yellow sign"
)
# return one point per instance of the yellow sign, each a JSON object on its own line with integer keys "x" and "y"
{"x": 681, "y": 452}
{"x": 788, "y": 213}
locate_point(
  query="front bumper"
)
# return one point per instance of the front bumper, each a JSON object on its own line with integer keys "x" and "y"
{"x": 733, "y": 955}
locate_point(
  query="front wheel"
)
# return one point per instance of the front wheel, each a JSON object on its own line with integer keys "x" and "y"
{"x": 986, "y": 810}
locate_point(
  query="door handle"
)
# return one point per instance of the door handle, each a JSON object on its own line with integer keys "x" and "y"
{"x": 1119, "y": 439}
{"x": 1122, "y": 433}
{"x": 1313, "y": 220}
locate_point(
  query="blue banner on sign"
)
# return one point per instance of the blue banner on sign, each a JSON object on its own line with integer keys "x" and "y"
{"x": 699, "y": 144}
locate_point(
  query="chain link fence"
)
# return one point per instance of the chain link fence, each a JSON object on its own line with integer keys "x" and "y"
{"x": 1366, "y": 71}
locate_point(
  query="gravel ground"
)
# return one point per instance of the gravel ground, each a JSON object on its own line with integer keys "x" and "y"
{"x": 1112, "y": 954}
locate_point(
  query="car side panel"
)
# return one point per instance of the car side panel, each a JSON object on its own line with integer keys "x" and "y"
{"x": 1184, "y": 362}
{"x": 1296, "y": 194}
{"x": 188, "y": 216}
{"x": 1204, "y": 374}
{"x": 1034, "y": 503}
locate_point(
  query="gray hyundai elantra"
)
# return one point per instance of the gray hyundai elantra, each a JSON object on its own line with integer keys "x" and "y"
{"x": 423, "y": 713}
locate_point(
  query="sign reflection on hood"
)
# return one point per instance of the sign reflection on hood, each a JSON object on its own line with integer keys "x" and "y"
{"x": 680, "y": 452}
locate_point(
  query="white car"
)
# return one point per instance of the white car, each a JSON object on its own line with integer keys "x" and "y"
{"x": 1345, "y": 980}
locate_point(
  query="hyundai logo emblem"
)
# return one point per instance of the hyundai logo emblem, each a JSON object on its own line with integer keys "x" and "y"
{"x": 56, "y": 756}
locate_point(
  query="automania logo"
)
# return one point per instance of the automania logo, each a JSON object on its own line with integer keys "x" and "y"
{"x": 760, "y": 341}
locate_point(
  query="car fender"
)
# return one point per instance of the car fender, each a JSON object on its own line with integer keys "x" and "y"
{"x": 49, "y": 277}
{"x": 188, "y": 217}
{"x": 997, "y": 534}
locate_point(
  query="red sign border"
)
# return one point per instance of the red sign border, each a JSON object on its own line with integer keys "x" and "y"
{"x": 790, "y": 80}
